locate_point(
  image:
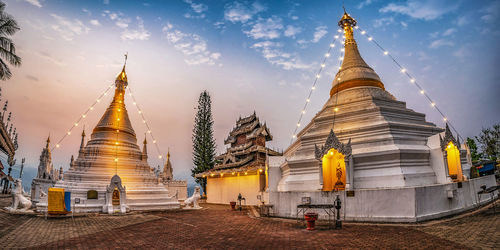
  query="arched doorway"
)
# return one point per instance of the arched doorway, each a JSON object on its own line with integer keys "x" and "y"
{"x": 453, "y": 162}
{"x": 116, "y": 197}
{"x": 334, "y": 171}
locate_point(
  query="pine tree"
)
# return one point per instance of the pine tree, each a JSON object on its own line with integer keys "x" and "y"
{"x": 203, "y": 139}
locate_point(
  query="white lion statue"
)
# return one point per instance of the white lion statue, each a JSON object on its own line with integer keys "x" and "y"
{"x": 18, "y": 198}
{"x": 192, "y": 202}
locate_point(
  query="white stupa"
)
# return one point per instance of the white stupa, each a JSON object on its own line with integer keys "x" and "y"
{"x": 385, "y": 161}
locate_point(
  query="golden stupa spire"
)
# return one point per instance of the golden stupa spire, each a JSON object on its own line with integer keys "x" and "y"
{"x": 123, "y": 76}
{"x": 354, "y": 72}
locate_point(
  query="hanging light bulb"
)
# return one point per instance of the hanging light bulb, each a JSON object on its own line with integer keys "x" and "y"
{"x": 332, "y": 45}
{"x": 433, "y": 104}
{"x": 403, "y": 70}
{"x": 308, "y": 100}
{"x": 362, "y": 32}
{"x": 323, "y": 65}
{"x": 336, "y": 37}
{"x": 412, "y": 80}
{"x": 422, "y": 92}
{"x": 313, "y": 87}
{"x": 303, "y": 111}
{"x": 386, "y": 52}
{"x": 336, "y": 109}
{"x": 69, "y": 132}
{"x": 370, "y": 38}
{"x": 84, "y": 116}
{"x": 327, "y": 54}
{"x": 159, "y": 157}
{"x": 318, "y": 76}
{"x": 57, "y": 145}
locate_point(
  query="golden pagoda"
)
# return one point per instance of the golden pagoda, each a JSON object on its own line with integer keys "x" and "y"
{"x": 112, "y": 165}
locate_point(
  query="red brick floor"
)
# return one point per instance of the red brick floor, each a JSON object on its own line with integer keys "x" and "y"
{"x": 217, "y": 227}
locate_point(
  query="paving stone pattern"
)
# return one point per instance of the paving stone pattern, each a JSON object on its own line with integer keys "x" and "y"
{"x": 217, "y": 227}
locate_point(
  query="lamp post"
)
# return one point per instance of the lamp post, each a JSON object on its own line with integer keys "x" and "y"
{"x": 239, "y": 200}
{"x": 338, "y": 205}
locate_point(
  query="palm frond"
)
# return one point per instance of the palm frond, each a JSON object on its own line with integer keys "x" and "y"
{"x": 8, "y": 51}
{"x": 4, "y": 71}
{"x": 8, "y": 26}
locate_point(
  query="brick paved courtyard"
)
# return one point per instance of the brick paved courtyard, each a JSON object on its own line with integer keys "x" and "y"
{"x": 217, "y": 227}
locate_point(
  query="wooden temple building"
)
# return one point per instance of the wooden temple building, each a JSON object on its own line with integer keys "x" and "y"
{"x": 242, "y": 169}
{"x": 8, "y": 146}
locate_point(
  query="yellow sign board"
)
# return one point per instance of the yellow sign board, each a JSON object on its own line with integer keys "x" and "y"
{"x": 56, "y": 201}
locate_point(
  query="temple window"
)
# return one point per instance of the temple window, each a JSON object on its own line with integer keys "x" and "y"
{"x": 334, "y": 172}
{"x": 453, "y": 161}
{"x": 92, "y": 194}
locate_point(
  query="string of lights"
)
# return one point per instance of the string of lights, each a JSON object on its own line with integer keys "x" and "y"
{"x": 341, "y": 59}
{"x": 81, "y": 117}
{"x": 150, "y": 132}
{"x": 313, "y": 87}
{"x": 412, "y": 79}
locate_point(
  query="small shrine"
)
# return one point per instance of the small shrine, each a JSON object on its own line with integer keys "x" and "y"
{"x": 242, "y": 169}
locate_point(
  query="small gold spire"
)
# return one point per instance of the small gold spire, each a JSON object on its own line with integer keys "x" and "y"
{"x": 123, "y": 76}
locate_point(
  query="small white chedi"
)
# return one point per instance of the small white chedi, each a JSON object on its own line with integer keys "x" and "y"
{"x": 19, "y": 201}
{"x": 192, "y": 202}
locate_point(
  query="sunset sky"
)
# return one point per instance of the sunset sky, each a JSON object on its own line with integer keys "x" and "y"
{"x": 250, "y": 55}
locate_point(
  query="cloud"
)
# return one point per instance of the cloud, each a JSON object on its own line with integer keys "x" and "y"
{"x": 69, "y": 29}
{"x": 50, "y": 58}
{"x": 33, "y": 78}
{"x": 35, "y": 3}
{"x": 95, "y": 22}
{"x": 440, "y": 43}
{"x": 193, "y": 46}
{"x": 105, "y": 1}
{"x": 197, "y": 10}
{"x": 463, "y": 20}
{"x": 449, "y": 31}
{"x": 87, "y": 11}
{"x": 269, "y": 28}
{"x": 490, "y": 12}
{"x": 272, "y": 52}
{"x": 291, "y": 31}
{"x": 138, "y": 34}
{"x": 239, "y": 12}
{"x": 461, "y": 53}
{"x": 120, "y": 21}
{"x": 319, "y": 33}
{"x": 426, "y": 10}
{"x": 383, "y": 21}
{"x": 364, "y": 3}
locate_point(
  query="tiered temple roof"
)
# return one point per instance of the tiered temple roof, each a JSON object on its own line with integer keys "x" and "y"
{"x": 247, "y": 149}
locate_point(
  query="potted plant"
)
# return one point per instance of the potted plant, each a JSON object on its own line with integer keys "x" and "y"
{"x": 311, "y": 218}
{"x": 233, "y": 205}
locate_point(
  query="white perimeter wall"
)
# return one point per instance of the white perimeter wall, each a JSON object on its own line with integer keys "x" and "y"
{"x": 392, "y": 205}
{"x": 226, "y": 189}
